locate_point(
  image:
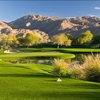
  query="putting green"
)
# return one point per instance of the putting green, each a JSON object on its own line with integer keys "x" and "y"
{"x": 37, "y": 55}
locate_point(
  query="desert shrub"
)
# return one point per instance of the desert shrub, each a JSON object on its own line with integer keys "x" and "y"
{"x": 60, "y": 68}
{"x": 92, "y": 68}
{"x": 80, "y": 57}
{"x": 77, "y": 70}
{"x": 88, "y": 70}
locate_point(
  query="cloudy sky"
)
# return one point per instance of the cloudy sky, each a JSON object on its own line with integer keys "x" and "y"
{"x": 11, "y": 10}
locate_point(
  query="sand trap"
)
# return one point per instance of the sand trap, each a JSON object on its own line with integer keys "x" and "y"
{"x": 11, "y": 51}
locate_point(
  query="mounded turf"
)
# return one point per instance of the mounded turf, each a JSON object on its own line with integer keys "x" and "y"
{"x": 34, "y": 82}
{"x": 37, "y": 55}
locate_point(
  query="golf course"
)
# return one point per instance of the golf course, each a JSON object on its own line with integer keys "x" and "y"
{"x": 31, "y": 81}
{"x": 49, "y": 50}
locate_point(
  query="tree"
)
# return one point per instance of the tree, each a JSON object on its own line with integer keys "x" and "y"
{"x": 85, "y": 37}
{"x": 12, "y": 40}
{"x": 60, "y": 39}
{"x": 21, "y": 41}
{"x": 31, "y": 39}
{"x": 96, "y": 40}
{"x": 70, "y": 36}
{"x": 4, "y": 41}
{"x": 8, "y": 41}
{"x": 68, "y": 42}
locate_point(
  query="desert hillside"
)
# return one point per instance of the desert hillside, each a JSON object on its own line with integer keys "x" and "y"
{"x": 43, "y": 25}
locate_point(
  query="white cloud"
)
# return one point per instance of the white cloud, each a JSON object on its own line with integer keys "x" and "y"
{"x": 70, "y": 17}
{"x": 97, "y": 8}
{"x": 92, "y": 15}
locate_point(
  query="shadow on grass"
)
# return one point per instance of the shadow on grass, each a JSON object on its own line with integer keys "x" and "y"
{"x": 73, "y": 95}
{"x": 11, "y": 65}
{"x": 21, "y": 67}
{"x": 87, "y": 85}
{"x": 53, "y": 80}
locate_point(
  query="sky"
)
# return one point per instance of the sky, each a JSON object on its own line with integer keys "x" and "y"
{"x": 11, "y": 10}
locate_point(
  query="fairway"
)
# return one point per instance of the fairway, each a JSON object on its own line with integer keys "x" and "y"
{"x": 67, "y": 49}
{"x": 81, "y": 50}
{"x": 35, "y": 82}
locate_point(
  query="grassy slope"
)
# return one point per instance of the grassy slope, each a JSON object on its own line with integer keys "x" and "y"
{"x": 33, "y": 82}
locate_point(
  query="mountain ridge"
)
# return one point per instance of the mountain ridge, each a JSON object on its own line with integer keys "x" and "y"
{"x": 55, "y": 25}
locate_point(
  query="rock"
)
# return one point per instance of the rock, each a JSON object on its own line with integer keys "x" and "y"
{"x": 11, "y": 51}
{"x": 59, "y": 80}
{"x": 4, "y": 28}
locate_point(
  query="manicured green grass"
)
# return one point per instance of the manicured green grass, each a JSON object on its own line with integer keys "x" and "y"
{"x": 89, "y": 50}
{"x": 34, "y": 82}
{"x": 36, "y": 55}
{"x": 68, "y": 49}
{"x": 1, "y": 51}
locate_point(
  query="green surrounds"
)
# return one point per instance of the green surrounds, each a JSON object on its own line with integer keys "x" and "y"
{"x": 46, "y": 53}
{"x": 33, "y": 55}
{"x": 67, "y": 49}
{"x": 80, "y": 50}
{"x": 34, "y": 82}
{"x": 1, "y": 51}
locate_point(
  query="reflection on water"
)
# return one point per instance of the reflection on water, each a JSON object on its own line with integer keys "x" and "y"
{"x": 29, "y": 61}
{"x": 47, "y": 62}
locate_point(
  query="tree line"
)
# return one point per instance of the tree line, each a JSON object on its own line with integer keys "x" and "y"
{"x": 86, "y": 38}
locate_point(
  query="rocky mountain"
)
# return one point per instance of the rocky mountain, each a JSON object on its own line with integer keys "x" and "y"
{"x": 6, "y": 29}
{"x": 22, "y": 32}
{"x": 53, "y": 26}
{"x": 44, "y": 26}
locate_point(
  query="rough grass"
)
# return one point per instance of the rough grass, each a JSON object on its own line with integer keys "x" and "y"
{"x": 34, "y": 82}
{"x": 88, "y": 70}
{"x": 91, "y": 66}
{"x": 60, "y": 67}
